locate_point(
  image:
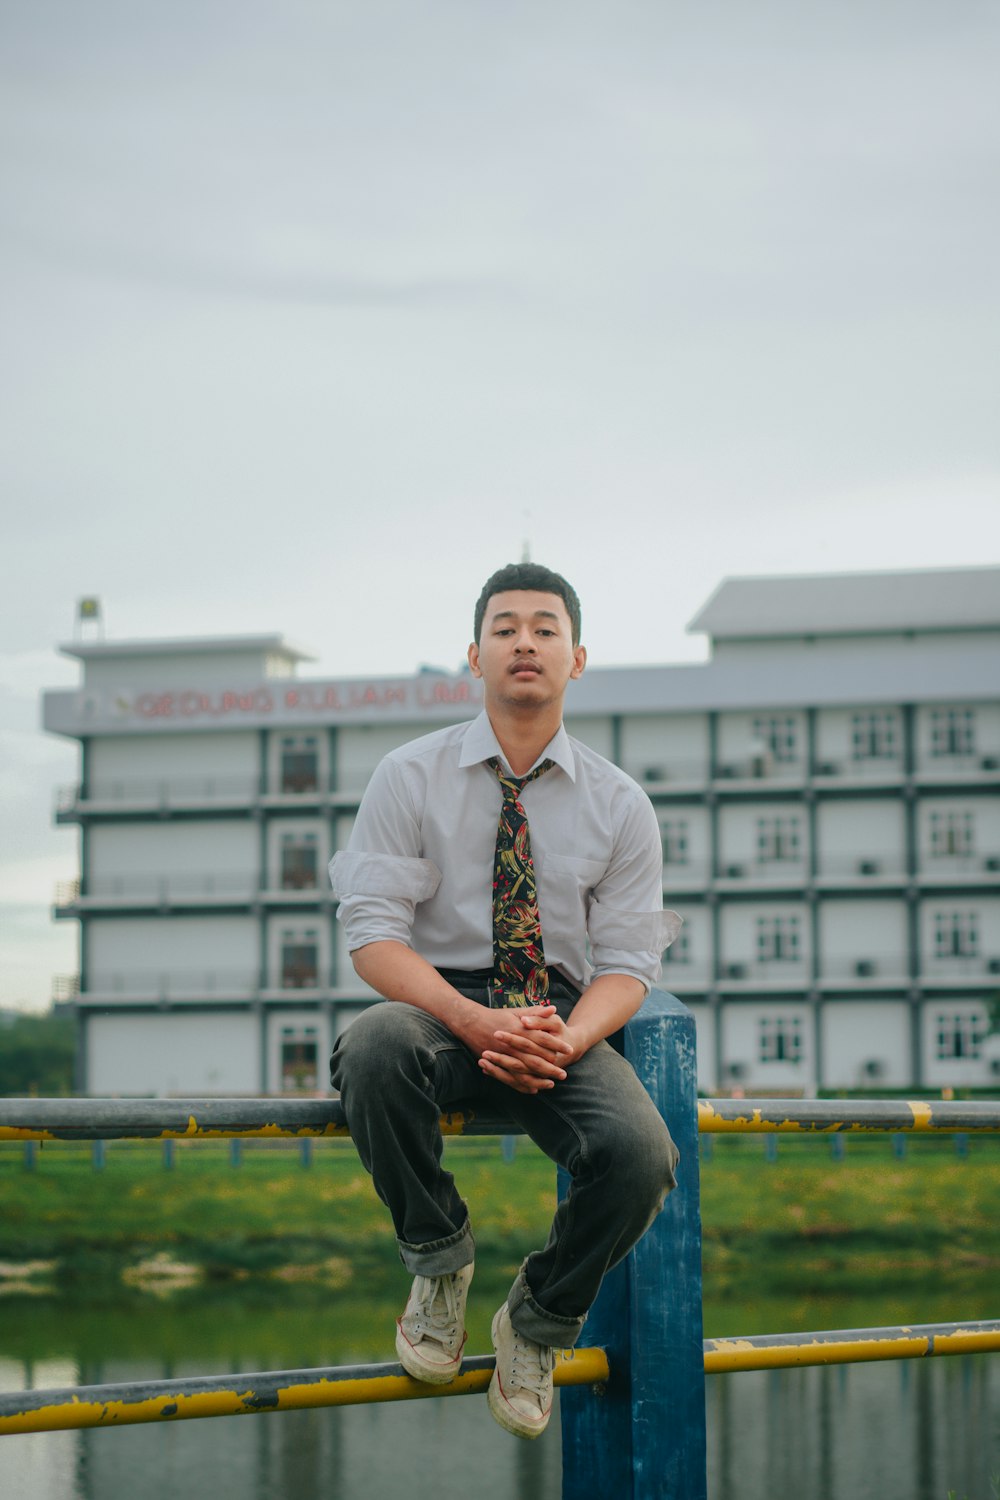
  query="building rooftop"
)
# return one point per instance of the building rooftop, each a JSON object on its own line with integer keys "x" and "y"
{"x": 927, "y": 599}
{"x": 205, "y": 645}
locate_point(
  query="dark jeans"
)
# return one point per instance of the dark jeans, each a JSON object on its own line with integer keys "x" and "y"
{"x": 397, "y": 1069}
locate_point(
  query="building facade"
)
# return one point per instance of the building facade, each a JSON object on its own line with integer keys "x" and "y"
{"x": 826, "y": 786}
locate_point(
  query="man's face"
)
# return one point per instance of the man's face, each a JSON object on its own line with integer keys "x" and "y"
{"x": 525, "y": 654}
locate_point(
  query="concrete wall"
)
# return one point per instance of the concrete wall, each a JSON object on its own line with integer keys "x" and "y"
{"x": 855, "y": 832}
{"x": 741, "y": 1045}
{"x": 865, "y": 1031}
{"x": 871, "y": 932}
{"x": 360, "y": 749}
{"x": 739, "y": 938}
{"x": 662, "y": 748}
{"x": 203, "y": 1053}
{"x": 986, "y": 719}
{"x": 182, "y": 948}
{"x": 212, "y": 760}
{"x": 835, "y": 741}
{"x": 120, "y": 852}
{"x": 594, "y": 732}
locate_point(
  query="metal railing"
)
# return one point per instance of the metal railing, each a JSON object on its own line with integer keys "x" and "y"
{"x": 642, "y": 1344}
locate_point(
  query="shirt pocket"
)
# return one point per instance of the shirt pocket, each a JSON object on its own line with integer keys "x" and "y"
{"x": 565, "y": 886}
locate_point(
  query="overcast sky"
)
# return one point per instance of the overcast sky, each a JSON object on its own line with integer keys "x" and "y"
{"x": 313, "y": 312}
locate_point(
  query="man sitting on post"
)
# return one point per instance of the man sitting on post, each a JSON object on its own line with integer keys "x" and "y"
{"x": 477, "y": 930}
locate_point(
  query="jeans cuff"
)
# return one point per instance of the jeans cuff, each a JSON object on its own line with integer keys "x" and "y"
{"x": 535, "y": 1323}
{"x": 440, "y": 1257}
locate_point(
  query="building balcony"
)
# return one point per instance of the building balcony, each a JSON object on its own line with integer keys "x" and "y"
{"x": 872, "y": 771}
{"x": 683, "y": 976}
{"x": 946, "y": 770}
{"x": 959, "y": 869}
{"x": 864, "y": 970}
{"x": 149, "y": 988}
{"x": 772, "y": 974}
{"x": 869, "y": 870}
{"x": 689, "y": 874}
{"x": 194, "y": 891}
{"x": 142, "y": 797}
{"x": 767, "y": 874}
{"x": 970, "y": 970}
{"x": 750, "y": 773}
{"x": 668, "y": 775}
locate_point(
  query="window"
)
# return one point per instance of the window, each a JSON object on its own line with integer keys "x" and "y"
{"x": 299, "y": 862}
{"x": 299, "y": 959}
{"x": 674, "y": 837}
{"x": 299, "y": 763}
{"x": 779, "y": 1039}
{"x": 299, "y": 1058}
{"x": 952, "y": 832}
{"x": 956, "y": 934}
{"x": 778, "y": 839}
{"x": 875, "y": 736}
{"x": 953, "y": 731}
{"x": 778, "y": 940}
{"x": 679, "y": 951}
{"x": 777, "y": 733}
{"x": 959, "y": 1034}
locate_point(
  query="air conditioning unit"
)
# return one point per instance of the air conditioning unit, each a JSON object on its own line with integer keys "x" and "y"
{"x": 990, "y": 763}
{"x": 993, "y": 966}
{"x": 864, "y": 968}
{"x": 736, "y": 1070}
{"x": 654, "y": 773}
{"x": 827, "y": 768}
{"x": 873, "y": 1068}
{"x": 728, "y": 772}
{"x": 735, "y": 872}
{"x": 868, "y": 867}
{"x": 992, "y": 863}
{"x": 736, "y": 971}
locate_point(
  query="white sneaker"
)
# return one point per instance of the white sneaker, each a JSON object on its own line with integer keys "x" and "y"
{"x": 520, "y": 1394}
{"x": 430, "y": 1336}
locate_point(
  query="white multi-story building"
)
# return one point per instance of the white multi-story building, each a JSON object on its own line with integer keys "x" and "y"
{"x": 826, "y": 786}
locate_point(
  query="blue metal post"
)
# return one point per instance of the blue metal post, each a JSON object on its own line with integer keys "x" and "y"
{"x": 644, "y": 1438}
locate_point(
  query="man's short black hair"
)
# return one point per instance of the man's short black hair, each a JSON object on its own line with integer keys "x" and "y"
{"x": 529, "y": 575}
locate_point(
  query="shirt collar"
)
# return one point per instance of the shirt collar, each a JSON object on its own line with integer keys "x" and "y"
{"x": 480, "y": 744}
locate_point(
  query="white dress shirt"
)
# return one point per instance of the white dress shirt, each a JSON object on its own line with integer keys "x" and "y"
{"x": 418, "y": 867}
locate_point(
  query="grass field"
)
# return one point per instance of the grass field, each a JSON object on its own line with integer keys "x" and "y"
{"x": 799, "y": 1223}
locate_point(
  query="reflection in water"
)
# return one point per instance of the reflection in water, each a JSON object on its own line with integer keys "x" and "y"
{"x": 898, "y": 1431}
{"x": 912, "y": 1430}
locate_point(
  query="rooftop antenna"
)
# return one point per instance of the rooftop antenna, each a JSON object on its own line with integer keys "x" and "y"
{"x": 89, "y": 622}
{"x": 526, "y": 546}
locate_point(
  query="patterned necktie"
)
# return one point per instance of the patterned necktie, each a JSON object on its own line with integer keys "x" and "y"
{"x": 520, "y": 977}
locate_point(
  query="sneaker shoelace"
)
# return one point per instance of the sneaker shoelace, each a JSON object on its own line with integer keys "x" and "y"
{"x": 435, "y": 1310}
{"x": 531, "y": 1366}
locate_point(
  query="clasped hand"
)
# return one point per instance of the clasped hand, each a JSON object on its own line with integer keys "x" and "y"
{"x": 528, "y": 1049}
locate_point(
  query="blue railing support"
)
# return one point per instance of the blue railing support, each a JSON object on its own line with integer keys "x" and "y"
{"x": 644, "y": 1438}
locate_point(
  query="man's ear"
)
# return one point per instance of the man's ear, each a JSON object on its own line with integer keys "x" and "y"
{"x": 474, "y": 660}
{"x": 579, "y": 661}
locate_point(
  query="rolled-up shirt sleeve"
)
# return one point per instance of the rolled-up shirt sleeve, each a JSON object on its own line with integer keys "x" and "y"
{"x": 627, "y": 926}
{"x": 381, "y": 876}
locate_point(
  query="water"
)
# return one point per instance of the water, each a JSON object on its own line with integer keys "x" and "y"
{"x": 898, "y": 1431}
